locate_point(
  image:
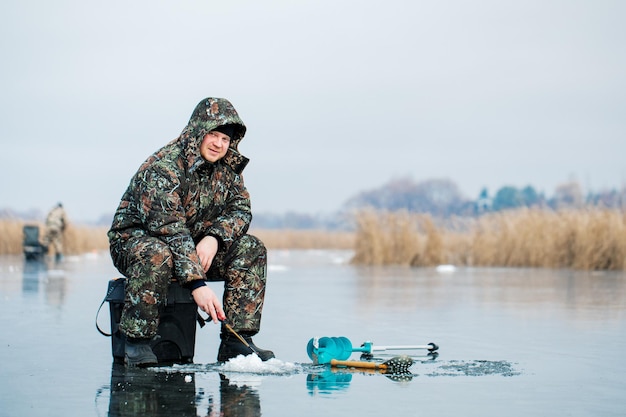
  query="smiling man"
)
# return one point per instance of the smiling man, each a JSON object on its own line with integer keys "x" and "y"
{"x": 185, "y": 217}
{"x": 215, "y": 143}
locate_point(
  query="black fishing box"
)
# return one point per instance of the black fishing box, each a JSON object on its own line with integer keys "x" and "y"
{"x": 34, "y": 250}
{"x": 176, "y": 334}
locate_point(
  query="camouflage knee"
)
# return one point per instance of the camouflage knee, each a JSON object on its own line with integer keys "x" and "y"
{"x": 244, "y": 288}
{"x": 149, "y": 271}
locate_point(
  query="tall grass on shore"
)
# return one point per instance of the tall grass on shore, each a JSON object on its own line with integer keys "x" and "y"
{"x": 76, "y": 239}
{"x": 588, "y": 239}
{"x": 82, "y": 239}
{"x": 304, "y": 239}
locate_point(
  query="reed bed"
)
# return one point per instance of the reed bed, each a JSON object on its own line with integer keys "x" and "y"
{"x": 305, "y": 239}
{"x": 76, "y": 239}
{"x": 83, "y": 239}
{"x": 588, "y": 239}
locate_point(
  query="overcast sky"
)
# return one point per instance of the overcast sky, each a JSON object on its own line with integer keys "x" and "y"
{"x": 339, "y": 96}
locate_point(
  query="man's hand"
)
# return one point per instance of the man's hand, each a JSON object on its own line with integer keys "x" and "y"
{"x": 206, "y": 249}
{"x": 208, "y": 302}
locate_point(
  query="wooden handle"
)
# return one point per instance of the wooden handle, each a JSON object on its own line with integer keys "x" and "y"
{"x": 241, "y": 339}
{"x": 357, "y": 364}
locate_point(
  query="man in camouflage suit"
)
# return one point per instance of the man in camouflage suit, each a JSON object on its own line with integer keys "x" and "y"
{"x": 185, "y": 217}
{"x": 55, "y": 226}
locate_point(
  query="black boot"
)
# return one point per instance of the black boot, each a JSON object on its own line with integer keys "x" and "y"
{"x": 232, "y": 347}
{"x": 138, "y": 352}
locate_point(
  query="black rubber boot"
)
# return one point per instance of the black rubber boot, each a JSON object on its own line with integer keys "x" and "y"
{"x": 137, "y": 352}
{"x": 232, "y": 347}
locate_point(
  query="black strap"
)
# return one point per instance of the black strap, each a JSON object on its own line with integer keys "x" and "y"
{"x": 116, "y": 283}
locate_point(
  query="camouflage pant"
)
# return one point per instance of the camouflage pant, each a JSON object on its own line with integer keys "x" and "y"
{"x": 54, "y": 238}
{"x": 147, "y": 264}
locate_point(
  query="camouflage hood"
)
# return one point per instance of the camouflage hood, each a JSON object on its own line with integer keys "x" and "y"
{"x": 209, "y": 114}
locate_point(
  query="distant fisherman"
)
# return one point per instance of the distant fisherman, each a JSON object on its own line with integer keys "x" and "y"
{"x": 55, "y": 226}
{"x": 185, "y": 217}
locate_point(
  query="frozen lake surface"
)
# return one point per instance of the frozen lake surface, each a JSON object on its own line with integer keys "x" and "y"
{"x": 514, "y": 342}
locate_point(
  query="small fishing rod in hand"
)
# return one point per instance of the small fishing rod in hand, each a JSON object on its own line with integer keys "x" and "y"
{"x": 228, "y": 327}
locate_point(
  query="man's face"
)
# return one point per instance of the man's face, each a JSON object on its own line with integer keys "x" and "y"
{"x": 214, "y": 146}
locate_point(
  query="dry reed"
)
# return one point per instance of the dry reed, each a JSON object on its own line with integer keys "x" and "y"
{"x": 76, "y": 239}
{"x": 589, "y": 239}
{"x": 82, "y": 239}
{"x": 304, "y": 239}
{"x": 385, "y": 239}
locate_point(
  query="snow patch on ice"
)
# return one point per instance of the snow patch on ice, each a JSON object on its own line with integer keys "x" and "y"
{"x": 254, "y": 364}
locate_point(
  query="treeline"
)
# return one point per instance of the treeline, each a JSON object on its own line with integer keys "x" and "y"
{"x": 442, "y": 198}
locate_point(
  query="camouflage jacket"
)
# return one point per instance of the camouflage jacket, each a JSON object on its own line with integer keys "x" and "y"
{"x": 179, "y": 197}
{"x": 56, "y": 219}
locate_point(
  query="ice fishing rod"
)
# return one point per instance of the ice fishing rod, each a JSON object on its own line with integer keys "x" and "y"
{"x": 202, "y": 321}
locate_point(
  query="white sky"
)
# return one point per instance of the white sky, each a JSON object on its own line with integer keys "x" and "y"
{"x": 339, "y": 96}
